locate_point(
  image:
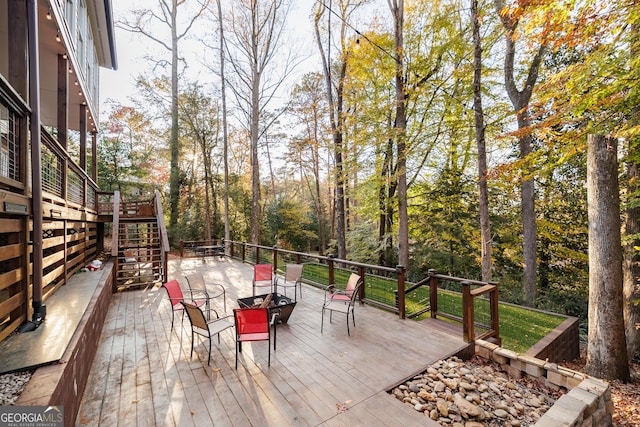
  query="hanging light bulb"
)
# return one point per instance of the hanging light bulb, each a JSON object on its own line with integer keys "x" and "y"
{"x": 58, "y": 39}
{"x": 49, "y": 17}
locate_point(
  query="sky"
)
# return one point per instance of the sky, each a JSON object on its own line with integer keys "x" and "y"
{"x": 119, "y": 85}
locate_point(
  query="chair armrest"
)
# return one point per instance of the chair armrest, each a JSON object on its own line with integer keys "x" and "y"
{"x": 228, "y": 316}
{"x": 274, "y": 319}
{"x": 222, "y": 290}
{"x": 199, "y": 291}
{"x": 333, "y": 290}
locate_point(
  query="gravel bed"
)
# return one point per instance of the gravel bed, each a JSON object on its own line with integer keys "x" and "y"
{"x": 11, "y": 385}
{"x": 475, "y": 393}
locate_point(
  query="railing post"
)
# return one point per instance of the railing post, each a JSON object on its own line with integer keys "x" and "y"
{"x": 433, "y": 293}
{"x": 361, "y": 291}
{"x": 495, "y": 322}
{"x": 467, "y": 313}
{"x": 275, "y": 258}
{"x": 181, "y": 248}
{"x": 257, "y": 255}
{"x": 331, "y": 273}
{"x": 400, "y": 270}
{"x": 244, "y": 251}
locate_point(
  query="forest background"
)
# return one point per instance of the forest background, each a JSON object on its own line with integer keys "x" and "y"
{"x": 373, "y": 137}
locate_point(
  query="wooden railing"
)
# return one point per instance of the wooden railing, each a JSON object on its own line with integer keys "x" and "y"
{"x": 473, "y": 296}
{"x": 67, "y": 217}
{"x": 65, "y": 183}
{"x": 164, "y": 237}
{"x": 469, "y": 294}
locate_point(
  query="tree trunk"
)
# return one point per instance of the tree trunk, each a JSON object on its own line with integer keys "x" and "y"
{"x": 607, "y": 348}
{"x": 255, "y": 164}
{"x": 485, "y": 225}
{"x": 208, "y": 188}
{"x": 225, "y": 141}
{"x": 631, "y": 270}
{"x": 336, "y": 121}
{"x": 631, "y": 266}
{"x": 174, "y": 143}
{"x": 520, "y": 101}
{"x": 318, "y": 193}
{"x": 397, "y": 9}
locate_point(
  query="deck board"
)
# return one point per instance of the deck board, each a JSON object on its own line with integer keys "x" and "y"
{"x": 143, "y": 374}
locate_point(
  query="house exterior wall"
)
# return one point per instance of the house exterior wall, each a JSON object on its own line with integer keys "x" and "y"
{"x": 75, "y": 38}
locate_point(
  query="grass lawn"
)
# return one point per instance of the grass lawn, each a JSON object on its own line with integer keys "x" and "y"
{"x": 520, "y": 327}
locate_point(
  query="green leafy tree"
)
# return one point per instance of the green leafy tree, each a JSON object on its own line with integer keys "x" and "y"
{"x": 125, "y": 152}
{"x": 289, "y": 225}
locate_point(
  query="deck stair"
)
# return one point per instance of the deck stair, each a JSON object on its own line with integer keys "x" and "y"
{"x": 139, "y": 255}
{"x": 141, "y": 246}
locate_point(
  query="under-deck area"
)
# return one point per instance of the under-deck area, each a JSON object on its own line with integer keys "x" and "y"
{"x": 143, "y": 375}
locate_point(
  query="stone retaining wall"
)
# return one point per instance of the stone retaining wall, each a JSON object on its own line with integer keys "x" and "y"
{"x": 586, "y": 404}
{"x": 563, "y": 343}
{"x": 63, "y": 383}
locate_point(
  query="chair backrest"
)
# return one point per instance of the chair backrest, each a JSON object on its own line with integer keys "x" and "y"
{"x": 293, "y": 272}
{"x": 251, "y": 320}
{"x": 196, "y": 281}
{"x": 352, "y": 284}
{"x": 174, "y": 292}
{"x": 262, "y": 272}
{"x": 196, "y": 316}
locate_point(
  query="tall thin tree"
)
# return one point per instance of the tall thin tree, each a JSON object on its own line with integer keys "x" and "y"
{"x": 483, "y": 204}
{"x": 256, "y": 40}
{"x": 400, "y": 126}
{"x": 520, "y": 100}
{"x": 142, "y": 23}
{"x": 225, "y": 135}
{"x": 335, "y": 98}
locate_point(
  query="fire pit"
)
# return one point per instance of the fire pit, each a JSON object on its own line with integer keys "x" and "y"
{"x": 280, "y": 305}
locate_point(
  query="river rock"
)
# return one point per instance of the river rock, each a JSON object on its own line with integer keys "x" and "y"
{"x": 465, "y": 407}
{"x": 458, "y": 393}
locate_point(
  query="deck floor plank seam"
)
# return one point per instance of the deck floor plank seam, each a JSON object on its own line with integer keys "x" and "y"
{"x": 143, "y": 374}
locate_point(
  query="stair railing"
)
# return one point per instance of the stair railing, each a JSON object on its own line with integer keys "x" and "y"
{"x": 115, "y": 237}
{"x": 164, "y": 238}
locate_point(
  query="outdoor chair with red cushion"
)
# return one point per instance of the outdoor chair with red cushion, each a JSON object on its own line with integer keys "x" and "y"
{"x": 252, "y": 324}
{"x": 342, "y": 301}
{"x": 262, "y": 277}
{"x": 176, "y": 298}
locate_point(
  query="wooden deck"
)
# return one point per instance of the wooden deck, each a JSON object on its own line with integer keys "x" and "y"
{"x": 142, "y": 374}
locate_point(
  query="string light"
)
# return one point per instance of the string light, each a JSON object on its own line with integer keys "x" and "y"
{"x": 58, "y": 37}
{"x": 358, "y": 32}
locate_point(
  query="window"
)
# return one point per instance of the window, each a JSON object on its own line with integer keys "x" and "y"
{"x": 70, "y": 13}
